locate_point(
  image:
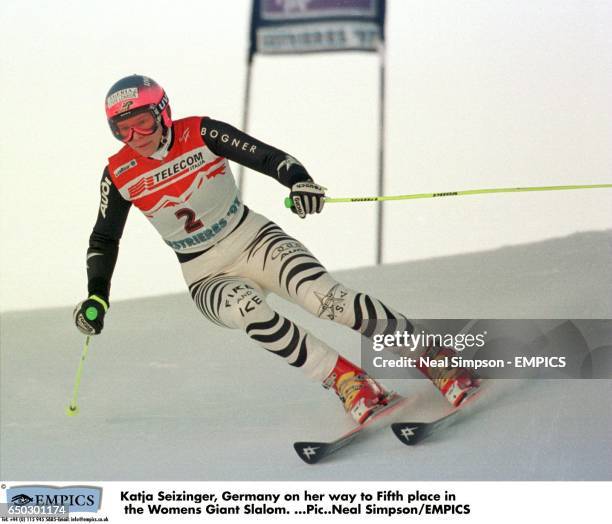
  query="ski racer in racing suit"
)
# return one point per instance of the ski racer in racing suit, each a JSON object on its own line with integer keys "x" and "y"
{"x": 178, "y": 175}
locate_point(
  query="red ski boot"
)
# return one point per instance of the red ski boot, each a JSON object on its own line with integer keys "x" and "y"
{"x": 456, "y": 384}
{"x": 358, "y": 392}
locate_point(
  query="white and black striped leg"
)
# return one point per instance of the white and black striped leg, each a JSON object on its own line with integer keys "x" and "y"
{"x": 371, "y": 316}
{"x": 281, "y": 337}
{"x": 240, "y": 304}
{"x": 286, "y": 339}
{"x": 330, "y": 300}
{"x": 226, "y": 300}
{"x": 285, "y": 263}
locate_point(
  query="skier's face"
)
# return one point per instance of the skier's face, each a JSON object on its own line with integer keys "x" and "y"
{"x": 142, "y": 132}
{"x": 146, "y": 145}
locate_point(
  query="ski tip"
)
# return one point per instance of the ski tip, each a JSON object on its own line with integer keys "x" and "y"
{"x": 310, "y": 452}
{"x": 409, "y": 432}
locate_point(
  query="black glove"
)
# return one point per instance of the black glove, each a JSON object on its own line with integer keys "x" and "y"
{"x": 308, "y": 198}
{"x": 89, "y": 314}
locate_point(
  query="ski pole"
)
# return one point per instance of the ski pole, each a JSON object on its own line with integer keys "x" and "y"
{"x": 73, "y": 409}
{"x": 289, "y": 202}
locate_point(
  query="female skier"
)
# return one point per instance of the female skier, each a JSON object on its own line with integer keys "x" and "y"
{"x": 177, "y": 173}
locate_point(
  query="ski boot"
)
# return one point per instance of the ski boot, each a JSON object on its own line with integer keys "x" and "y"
{"x": 359, "y": 393}
{"x": 456, "y": 384}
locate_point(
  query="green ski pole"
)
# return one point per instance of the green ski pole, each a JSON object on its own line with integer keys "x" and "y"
{"x": 73, "y": 409}
{"x": 289, "y": 202}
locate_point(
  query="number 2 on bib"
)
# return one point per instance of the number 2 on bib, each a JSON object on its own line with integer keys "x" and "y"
{"x": 191, "y": 224}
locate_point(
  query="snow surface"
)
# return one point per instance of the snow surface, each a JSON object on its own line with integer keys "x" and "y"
{"x": 166, "y": 395}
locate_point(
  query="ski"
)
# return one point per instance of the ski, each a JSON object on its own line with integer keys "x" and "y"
{"x": 313, "y": 452}
{"x": 411, "y": 433}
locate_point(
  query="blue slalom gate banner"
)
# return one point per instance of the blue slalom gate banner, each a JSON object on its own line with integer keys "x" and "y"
{"x": 290, "y": 27}
{"x": 309, "y": 26}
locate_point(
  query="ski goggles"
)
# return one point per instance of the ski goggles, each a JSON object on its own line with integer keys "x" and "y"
{"x": 143, "y": 122}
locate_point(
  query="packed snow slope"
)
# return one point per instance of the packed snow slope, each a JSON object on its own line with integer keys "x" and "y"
{"x": 166, "y": 395}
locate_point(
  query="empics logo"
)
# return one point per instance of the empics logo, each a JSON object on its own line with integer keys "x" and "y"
{"x": 77, "y": 498}
{"x": 21, "y": 499}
